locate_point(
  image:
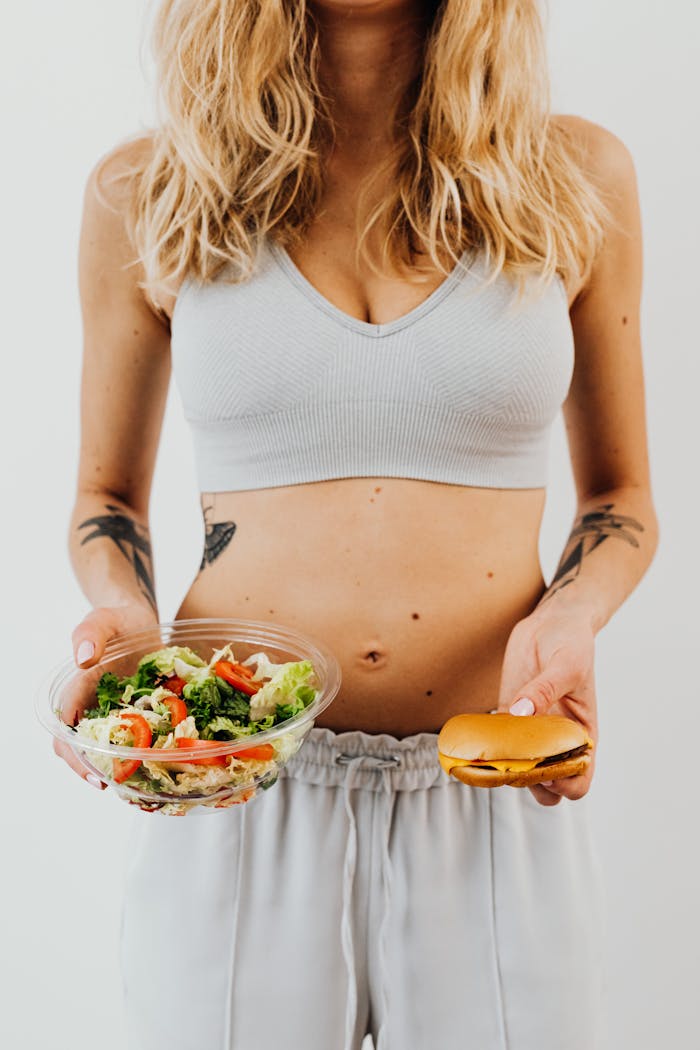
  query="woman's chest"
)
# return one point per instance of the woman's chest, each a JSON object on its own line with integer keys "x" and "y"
{"x": 277, "y": 342}
{"x": 328, "y": 259}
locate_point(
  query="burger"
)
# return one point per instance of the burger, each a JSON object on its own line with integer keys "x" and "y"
{"x": 488, "y": 750}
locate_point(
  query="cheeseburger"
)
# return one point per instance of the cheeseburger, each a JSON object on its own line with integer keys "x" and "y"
{"x": 487, "y": 750}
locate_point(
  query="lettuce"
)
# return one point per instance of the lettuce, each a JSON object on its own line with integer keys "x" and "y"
{"x": 288, "y": 744}
{"x": 215, "y": 698}
{"x": 261, "y": 724}
{"x": 145, "y": 678}
{"x": 265, "y": 667}
{"x": 165, "y": 660}
{"x": 282, "y": 690}
{"x": 227, "y": 729}
{"x": 109, "y": 695}
{"x": 222, "y": 654}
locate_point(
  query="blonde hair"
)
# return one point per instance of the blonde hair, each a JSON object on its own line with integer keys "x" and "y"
{"x": 244, "y": 129}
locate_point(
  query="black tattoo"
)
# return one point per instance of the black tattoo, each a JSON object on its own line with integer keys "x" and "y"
{"x": 589, "y": 532}
{"x": 217, "y": 536}
{"x": 133, "y": 541}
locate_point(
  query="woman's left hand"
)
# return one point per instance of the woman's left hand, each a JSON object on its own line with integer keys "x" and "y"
{"x": 549, "y": 662}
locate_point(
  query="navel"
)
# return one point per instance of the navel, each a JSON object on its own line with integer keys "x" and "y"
{"x": 373, "y": 656}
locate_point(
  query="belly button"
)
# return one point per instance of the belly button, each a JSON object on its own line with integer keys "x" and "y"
{"x": 373, "y": 658}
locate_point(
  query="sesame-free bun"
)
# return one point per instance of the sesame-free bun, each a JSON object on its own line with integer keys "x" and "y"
{"x": 504, "y": 737}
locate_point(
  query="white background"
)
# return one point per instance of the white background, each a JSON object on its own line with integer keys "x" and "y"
{"x": 77, "y": 78}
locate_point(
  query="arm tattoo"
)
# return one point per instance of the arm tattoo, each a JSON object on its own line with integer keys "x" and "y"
{"x": 589, "y": 532}
{"x": 217, "y": 536}
{"x": 132, "y": 540}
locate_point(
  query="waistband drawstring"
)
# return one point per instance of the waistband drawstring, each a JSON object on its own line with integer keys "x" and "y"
{"x": 346, "y": 933}
{"x": 390, "y": 796}
{"x": 383, "y": 764}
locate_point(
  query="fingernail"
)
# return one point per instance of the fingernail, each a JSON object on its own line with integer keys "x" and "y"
{"x": 95, "y": 781}
{"x": 523, "y": 706}
{"x": 86, "y": 650}
{"x": 547, "y": 783}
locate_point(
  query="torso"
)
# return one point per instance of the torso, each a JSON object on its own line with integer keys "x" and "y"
{"x": 414, "y": 585}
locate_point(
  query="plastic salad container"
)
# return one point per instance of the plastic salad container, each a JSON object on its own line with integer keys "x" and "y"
{"x": 193, "y": 713}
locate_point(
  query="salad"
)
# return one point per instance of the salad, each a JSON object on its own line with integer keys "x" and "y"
{"x": 176, "y": 700}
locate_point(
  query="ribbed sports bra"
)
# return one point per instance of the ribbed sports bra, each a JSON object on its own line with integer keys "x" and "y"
{"x": 281, "y": 387}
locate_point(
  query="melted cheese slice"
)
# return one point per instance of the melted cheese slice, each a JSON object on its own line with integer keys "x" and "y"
{"x": 504, "y": 765}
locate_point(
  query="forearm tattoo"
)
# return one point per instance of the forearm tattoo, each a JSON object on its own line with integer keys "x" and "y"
{"x": 133, "y": 541}
{"x": 217, "y": 536}
{"x": 589, "y": 531}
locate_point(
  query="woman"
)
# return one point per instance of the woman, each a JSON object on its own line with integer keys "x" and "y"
{"x": 341, "y": 198}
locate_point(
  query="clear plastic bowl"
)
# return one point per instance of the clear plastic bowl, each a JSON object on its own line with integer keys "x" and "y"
{"x": 68, "y": 691}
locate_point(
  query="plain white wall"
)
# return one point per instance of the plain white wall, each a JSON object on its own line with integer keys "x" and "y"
{"x": 75, "y": 79}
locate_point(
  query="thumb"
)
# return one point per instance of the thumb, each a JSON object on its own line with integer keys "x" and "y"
{"x": 537, "y": 696}
{"x": 92, "y": 634}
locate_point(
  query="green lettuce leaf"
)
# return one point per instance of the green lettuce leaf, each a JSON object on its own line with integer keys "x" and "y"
{"x": 283, "y": 690}
{"x": 214, "y": 698}
{"x": 173, "y": 659}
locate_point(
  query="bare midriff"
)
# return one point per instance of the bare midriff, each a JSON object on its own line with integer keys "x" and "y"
{"x": 414, "y": 585}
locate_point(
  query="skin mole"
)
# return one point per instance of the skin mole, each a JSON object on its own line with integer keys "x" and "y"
{"x": 378, "y": 489}
{"x": 428, "y": 692}
{"x": 415, "y": 616}
{"x": 490, "y": 575}
{"x": 624, "y": 320}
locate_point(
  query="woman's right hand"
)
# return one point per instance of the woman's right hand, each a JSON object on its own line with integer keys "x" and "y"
{"x": 89, "y": 640}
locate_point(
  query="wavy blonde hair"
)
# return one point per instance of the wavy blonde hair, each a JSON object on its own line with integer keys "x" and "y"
{"x": 476, "y": 161}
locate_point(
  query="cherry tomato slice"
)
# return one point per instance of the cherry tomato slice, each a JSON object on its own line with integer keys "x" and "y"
{"x": 226, "y": 670}
{"x": 122, "y": 769}
{"x": 202, "y": 745}
{"x": 177, "y": 708}
{"x": 174, "y": 684}
{"x": 262, "y": 752}
{"x": 241, "y": 669}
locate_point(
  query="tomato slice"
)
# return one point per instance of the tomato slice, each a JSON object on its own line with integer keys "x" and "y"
{"x": 123, "y": 768}
{"x": 247, "y": 672}
{"x": 230, "y": 673}
{"x": 202, "y": 745}
{"x": 141, "y": 733}
{"x": 177, "y": 708}
{"x": 174, "y": 684}
{"x": 262, "y": 752}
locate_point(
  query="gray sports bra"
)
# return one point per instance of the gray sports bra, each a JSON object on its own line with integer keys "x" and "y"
{"x": 280, "y": 387}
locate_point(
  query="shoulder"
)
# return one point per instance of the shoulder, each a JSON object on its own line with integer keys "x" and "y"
{"x": 107, "y": 245}
{"x": 606, "y": 157}
{"x": 608, "y": 163}
{"x": 110, "y": 181}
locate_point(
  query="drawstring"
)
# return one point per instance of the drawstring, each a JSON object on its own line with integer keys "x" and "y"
{"x": 346, "y": 922}
{"x": 384, "y": 926}
{"x": 383, "y": 764}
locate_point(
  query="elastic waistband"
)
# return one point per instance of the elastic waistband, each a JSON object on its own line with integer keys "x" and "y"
{"x": 378, "y": 760}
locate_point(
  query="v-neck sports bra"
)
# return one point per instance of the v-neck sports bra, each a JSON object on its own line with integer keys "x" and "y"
{"x": 281, "y": 387}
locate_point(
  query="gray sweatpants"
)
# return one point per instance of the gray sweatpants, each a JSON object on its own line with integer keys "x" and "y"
{"x": 366, "y": 891}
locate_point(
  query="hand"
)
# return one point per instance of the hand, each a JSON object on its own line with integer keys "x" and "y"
{"x": 549, "y": 662}
{"x": 89, "y": 640}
